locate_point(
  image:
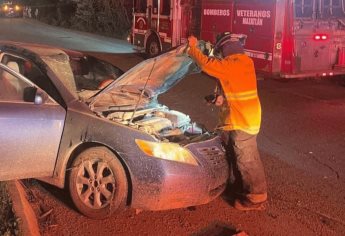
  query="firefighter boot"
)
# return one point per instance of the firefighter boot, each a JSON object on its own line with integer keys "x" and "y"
{"x": 252, "y": 202}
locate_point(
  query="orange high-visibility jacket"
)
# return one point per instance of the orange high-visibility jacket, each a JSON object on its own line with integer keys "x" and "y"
{"x": 236, "y": 73}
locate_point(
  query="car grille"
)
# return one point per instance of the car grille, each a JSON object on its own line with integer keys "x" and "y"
{"x": 217, "y": 168}
{"x": 213, "y": 155}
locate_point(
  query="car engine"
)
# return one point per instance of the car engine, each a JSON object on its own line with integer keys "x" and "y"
{"x": 159, "y": 122}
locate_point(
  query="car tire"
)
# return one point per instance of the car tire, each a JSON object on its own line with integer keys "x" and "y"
{"x": 152, "y": 47}
{"x": 97, "y": 183}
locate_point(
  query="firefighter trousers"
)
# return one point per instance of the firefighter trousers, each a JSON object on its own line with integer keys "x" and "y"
{"x": 247, "y": 178}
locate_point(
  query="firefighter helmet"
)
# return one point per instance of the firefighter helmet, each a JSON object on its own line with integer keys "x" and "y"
{"x": 228, "y": 44}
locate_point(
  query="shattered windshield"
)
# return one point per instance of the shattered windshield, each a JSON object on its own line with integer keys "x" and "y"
{"x": 93, "y": 74}
{"x": 83, "y": 76}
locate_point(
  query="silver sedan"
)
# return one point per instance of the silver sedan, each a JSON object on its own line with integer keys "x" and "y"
{"x": 74, "y": 121}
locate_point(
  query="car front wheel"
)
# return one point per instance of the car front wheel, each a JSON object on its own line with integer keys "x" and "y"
{"x": 98, "y": 183}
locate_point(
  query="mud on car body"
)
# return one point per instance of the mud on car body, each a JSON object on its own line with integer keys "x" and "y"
{"x": 111, "y": 147}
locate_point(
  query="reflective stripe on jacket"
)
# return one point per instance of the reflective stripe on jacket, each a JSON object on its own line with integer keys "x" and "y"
{"x": 236, "y": 74}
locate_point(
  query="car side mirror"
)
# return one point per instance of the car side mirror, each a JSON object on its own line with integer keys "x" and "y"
{"x": 38, "y": 99}
{"x": 31, "y": 94}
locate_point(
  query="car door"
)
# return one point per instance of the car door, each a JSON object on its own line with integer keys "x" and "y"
{"x": 31, "y": 125}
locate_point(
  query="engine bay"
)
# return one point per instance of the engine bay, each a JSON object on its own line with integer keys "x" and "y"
{"x": 132, "y": 99}
{"x": 160, "y": 122}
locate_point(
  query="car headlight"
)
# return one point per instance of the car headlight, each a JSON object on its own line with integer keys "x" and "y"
{"x": 167, "y": 151}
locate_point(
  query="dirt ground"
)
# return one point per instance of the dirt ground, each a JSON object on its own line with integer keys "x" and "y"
{"x": 296, "y": 207}
{"x": 8, "y": 221}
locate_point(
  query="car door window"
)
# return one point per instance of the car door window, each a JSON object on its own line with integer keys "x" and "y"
{"x": 32, "y": 72}
{"x": 11, "y": 87}
{"x": 16, "y": 88}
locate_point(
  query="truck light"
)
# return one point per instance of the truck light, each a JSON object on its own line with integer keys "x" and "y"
{"x": 324, "y": 74}
{"x": 320, "y": 37}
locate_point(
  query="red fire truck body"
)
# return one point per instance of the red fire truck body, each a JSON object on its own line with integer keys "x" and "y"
{"x": 161, "y": 24}
{"x": 256, "y": 21}
{"x": 286, "y": 38}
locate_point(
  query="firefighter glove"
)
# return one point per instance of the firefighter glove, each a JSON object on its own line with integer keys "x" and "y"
{"x": 192, "y": 41}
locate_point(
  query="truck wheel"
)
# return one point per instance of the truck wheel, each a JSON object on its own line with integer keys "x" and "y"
{"x": 98, "y": 183}
{"x": 152, "y": 47}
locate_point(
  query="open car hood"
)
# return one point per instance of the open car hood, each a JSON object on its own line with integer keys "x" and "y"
{"x": 140, "y": 86}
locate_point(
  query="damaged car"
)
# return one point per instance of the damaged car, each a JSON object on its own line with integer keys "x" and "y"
{"x": 79, "y": 123}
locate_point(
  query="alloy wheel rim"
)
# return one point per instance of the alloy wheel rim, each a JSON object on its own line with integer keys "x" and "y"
{"x": 95, "y": 184}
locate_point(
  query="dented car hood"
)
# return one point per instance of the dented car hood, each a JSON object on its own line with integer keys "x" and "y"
{"x": 140, "y": 86}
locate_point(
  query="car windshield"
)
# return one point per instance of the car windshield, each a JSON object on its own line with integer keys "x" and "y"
{"x": 84, "y": 76}
{"x": 91, "y": 73}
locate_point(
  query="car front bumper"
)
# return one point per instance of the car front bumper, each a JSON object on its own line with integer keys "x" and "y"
{"x": 173, "y": 185}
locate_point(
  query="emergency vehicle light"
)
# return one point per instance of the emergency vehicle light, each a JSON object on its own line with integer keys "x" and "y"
{"x": 327, "y": 74}
{"x": 320, "y": 37}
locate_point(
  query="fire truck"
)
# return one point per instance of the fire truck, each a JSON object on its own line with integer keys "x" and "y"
{"x": 285, "y": 38}
{"x": 161, "y": 24}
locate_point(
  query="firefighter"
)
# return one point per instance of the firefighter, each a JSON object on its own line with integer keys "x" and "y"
{"x": 240, "y": 117}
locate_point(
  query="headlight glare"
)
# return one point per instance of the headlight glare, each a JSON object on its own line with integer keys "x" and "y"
{"x": 167, "y": 151}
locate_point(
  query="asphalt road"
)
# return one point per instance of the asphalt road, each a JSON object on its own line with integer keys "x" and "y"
{"x": 31, "y": 31}
{"x": 302, "y": 145}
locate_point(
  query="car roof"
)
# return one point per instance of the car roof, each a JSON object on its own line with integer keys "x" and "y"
{"x": 38, "y": 49}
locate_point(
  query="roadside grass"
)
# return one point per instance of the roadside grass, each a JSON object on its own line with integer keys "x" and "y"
{"x": 8, "y": 221}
